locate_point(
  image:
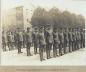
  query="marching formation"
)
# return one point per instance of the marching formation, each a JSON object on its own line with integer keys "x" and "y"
{"x": 42, "y": 39}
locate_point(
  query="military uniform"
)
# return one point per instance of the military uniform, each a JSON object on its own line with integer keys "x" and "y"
{"x": 55, "y": 43}
{"x": 74, "y": 40}
{"x": 24, "y": 39}
{"x": 65, "y": 41}
{"x": 61, "y": 38}
{"x": 28, "y": 41}
{"x": 82, "y": 41}
{"x": 49, "y": 42}
{"x": 10, "y": 39}
{"x": 19, "y": 39}
{"x": 3, "y": 42}
{"x": 42, "y": 44}
{"x": 78, "y": 38}
{"x": 35, "y": 41}
{"x": 70, "y": 40}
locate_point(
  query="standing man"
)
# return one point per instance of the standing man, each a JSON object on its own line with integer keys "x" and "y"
{"x": 61, "y": 38}
{"x": 55, "y": 42}
{"x": 3, "y": 41}
{"x": 35, "y": 40}
{"x": 82, "y": 34}
{"x": 49, "y": 40}
{"x": 10, "y": 39}
{"x": 24, "y": 43}
{"x": 28, "y": 41}
{"x": 19, "y": 39}
{"x": 70, "y": 40}
{"x": 65, "y": 33}
{"x": 42, "y": 43}
{"x": 74, "y": 39}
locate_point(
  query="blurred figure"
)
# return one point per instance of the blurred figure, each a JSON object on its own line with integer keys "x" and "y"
{"x": 65, "y": 33}
{"x": 19, "y": 39}
{"x": 35, "y": 40}
{"x": 42, "y": 43}
{"x": 3, "y": 41}
{"x": 28, "y": 41}
{"x": 70, "y": 40}
{"x": 55, "y": 42}
{"x": 49, "y": 40}
{"x": 61, "y": 38}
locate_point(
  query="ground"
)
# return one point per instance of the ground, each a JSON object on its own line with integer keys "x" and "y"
{"x": 71, "y": 59}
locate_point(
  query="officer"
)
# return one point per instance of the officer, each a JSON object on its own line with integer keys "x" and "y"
{"x": 28, "y": 41}
{"x": 19, "y": 39}
{"x": 61, "y": 39}
{"x": 35, "y": 40}
{"x": 42, "y": 43}
{"x": 65, "y": 33}
{"x": 3, "y": 41}
{"x": 70, "y": 40}
{"x": 55, "y": 42}
{"x": 49, "y": 40}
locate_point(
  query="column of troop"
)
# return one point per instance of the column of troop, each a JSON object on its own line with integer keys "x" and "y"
{"x": 41, "y": 40}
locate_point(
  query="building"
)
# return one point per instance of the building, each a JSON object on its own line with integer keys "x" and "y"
{"x": 18, "y": 17}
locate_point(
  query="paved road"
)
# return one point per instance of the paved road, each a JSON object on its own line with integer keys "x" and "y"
{"x": 74, "y": 58}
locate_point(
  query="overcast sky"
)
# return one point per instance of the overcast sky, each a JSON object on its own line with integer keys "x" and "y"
{"x": 74, "y": 6}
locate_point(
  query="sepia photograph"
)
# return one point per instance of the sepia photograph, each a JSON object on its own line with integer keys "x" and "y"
{"x": 43, "y": 33}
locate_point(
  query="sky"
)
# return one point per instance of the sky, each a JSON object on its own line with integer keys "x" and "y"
{"x": 74, "y": 6}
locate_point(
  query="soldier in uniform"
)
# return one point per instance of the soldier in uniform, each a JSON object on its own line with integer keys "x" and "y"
{"x": 61, "y": 39}
{"x": 3, "y": 41}
{"x": 83, "y": 38}
{"x": 55, "y": 42}
{"x": 19, "y": 39}
{"x": 82, "y": 34}
{"x": 28, "y": 41}
{"x": 78, "y": 38}
{"x": 35, "y": 40}
{"x": 10, "y": 39}
{"x": 42, "y": 43}
{"x": 74, "y": 39}
{"x": 24, "y": 43}
{"x": 49, "y": 40}
{"x": 70, "y": 40}
{"x": 65, "y": 33}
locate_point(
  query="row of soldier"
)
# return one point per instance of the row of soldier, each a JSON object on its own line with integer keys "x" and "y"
{"x": 46, "y": 40}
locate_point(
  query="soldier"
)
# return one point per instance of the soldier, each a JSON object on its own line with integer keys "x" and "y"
{"x": 78, "y": 38}
{"x": 61, "y": 39}
{"x": 10, "y": 39}
{"x": 82, "y": 34}
{"x": 65, "y": 33}
{"x": 70, "y": 40}
{"x": 41, "y": 43}
{"x": 56, "y": 42}
{"x": 15, "y": 39}
{"x": 35, "y": 40}
{"x": 74, "y": 39}
{"x": 24, "y": 43}
{"x": 3, "y": 41}
{"x": 19, "y": 39}
{"x": 83, "y": 38}
{"x": 28, "y": 41}
{"x": 49, "y": 40}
